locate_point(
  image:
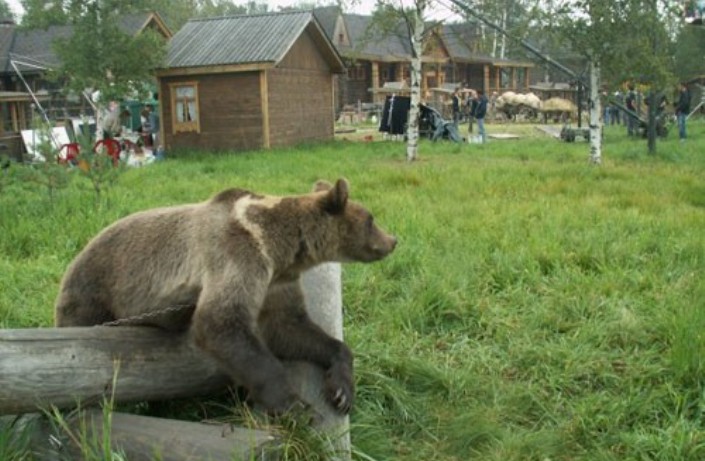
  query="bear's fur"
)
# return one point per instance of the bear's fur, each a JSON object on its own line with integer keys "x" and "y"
{"x": 234, "y": 262}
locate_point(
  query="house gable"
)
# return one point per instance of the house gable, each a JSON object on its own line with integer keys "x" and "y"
{"x": 340, "y": 33}
{"x": 305, "y": 54}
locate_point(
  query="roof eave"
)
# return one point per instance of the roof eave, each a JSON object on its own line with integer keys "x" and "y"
{"x": 214, "y": 69}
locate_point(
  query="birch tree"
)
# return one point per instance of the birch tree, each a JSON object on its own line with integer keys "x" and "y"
{"x": 407, "y": 19}
{"x": 417, "y": 29}
{"x": 512, "y": 15}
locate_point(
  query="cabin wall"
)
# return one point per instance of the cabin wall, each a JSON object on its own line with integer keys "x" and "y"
{"x": 300, "y": 96}
{"x": 230, "y": 112}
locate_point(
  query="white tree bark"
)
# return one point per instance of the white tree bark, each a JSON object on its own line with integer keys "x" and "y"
{"x": 503, "y": 45}
{"x": 412, "y": 131}
{"x": 595, "y": 112}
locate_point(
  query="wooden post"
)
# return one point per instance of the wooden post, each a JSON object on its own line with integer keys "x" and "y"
{"x": 264, "y": 97}
{"x": 324, "y": 303}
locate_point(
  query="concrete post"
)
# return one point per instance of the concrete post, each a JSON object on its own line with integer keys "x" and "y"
{"x": 322, "y": 288}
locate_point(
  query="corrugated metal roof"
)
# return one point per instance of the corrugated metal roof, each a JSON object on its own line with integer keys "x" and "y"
{"x": 236, "y": 39}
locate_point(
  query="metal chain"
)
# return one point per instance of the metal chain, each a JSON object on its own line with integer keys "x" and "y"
{"x": 135, "y": 319}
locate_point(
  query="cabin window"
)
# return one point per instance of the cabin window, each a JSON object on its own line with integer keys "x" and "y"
{"x": 184, "y": 101}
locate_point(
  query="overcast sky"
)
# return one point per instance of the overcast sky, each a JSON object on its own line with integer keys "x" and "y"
{"x": 356, "y": 6}
{"x": 362, "y": 6}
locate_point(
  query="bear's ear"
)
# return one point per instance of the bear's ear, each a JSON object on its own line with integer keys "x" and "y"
{"x": 337, "y": 197}
{"x": 322, "y": 185}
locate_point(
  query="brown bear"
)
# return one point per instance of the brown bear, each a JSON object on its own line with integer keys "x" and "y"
{"x": 230, "y": 269}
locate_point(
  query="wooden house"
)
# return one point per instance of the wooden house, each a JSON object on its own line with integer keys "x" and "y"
{"x": 248, "y": 82}
{"x": 375, "y": 58}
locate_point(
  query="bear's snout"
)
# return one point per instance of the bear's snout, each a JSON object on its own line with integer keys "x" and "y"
{"x": 385, "y": 245}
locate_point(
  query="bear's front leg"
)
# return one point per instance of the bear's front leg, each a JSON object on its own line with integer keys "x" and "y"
{"x": 291, "y": 335}
{"x": 223, "y": 326}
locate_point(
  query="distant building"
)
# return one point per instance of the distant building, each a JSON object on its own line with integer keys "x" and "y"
{"x": 451, "y": 58}
{"x": 25, "y": 57}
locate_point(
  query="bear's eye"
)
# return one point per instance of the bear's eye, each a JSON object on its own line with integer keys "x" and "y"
{"x": 370, "y": 221}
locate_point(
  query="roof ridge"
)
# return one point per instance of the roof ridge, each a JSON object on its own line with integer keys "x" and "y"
{"x": 246, "y": 15}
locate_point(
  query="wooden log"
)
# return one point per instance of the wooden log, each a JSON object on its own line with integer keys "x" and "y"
{"x": 143, "y": 438}
{"x": 65, "y": 366}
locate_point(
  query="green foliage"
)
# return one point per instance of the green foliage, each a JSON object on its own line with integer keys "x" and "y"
{"x": 630, "y": 39}
{"x": 40, "y": 14}
{"x": 5, "y": 11}
{"x": 101, "y": 170}
{"x": 689, "y": 52}
{"x": 535, "y": 308}
{"x": 47, "y": 173}
{"x": 101, "y": 56}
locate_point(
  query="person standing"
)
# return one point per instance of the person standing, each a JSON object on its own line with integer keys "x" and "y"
{"x": 630, "y": 102}
{"x": 605, "y": 101}
{"x": 154, "y": 124}
{"x": 110, "y": 123}
{"x": 480, "y": 112}
{"x": 455, "y": 103}
{"x": 146, "y": 128}
{"x": 616, "y": 118}
{"x": 471, "y": 105}
{"x": 682, "y": 110}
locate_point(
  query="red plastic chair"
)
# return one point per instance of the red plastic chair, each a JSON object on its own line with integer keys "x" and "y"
{"x": 110, "y": 147}
{"x": 68, "y": 154}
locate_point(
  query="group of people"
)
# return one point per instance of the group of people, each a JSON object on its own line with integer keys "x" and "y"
{"x": 112, "y": 123}
{"x": 632, "y": 100}
{"x": 475, "y": 106}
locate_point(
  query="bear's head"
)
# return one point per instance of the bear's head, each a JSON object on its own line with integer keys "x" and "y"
{"x": 359, "y": 238}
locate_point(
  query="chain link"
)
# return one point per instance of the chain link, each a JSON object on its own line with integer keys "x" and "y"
{"x": 138, "y": 319}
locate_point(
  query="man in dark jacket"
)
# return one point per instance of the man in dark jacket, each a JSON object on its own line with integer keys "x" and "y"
{"x": 682, "y": 109}
{"x": 455, "y": 104}
{"x": 480, "y": 112}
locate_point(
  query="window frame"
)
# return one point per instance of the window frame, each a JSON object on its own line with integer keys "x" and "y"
{"x": 193, "y": 125}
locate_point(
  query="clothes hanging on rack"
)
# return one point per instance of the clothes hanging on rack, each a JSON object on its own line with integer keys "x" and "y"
{"x": 395, "y": 114}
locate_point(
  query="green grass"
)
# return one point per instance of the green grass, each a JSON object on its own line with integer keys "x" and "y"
{"x": 536, "y": 308}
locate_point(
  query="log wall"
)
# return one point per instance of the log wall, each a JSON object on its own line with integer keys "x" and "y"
{"x": 229, "y": 109}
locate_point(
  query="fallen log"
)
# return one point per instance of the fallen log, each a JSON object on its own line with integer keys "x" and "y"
{"x": 67, "y": 366}
{"x": 144, "y": 438}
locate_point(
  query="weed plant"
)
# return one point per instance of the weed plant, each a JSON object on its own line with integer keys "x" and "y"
{"x": 536, "y": 307}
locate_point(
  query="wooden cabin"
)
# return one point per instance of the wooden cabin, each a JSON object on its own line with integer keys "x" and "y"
{"x": 248, "y": 82}
{"x": 451, "y": 56}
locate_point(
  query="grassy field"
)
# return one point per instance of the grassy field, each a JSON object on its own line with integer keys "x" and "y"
{"x": 536, "y": 308}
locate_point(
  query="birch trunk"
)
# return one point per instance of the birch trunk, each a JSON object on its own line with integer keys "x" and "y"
{"x": 503, "y": 45}
{"x": 412, "y": 131}
{"x": 595, "y": 111}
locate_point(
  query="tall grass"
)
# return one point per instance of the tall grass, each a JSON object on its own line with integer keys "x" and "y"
{"x": 536, "y": 307}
